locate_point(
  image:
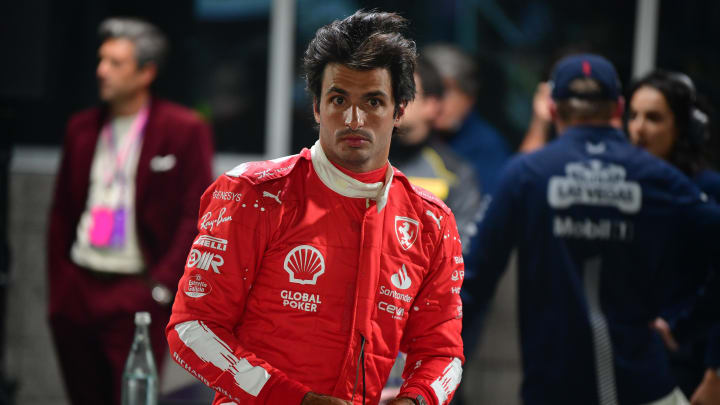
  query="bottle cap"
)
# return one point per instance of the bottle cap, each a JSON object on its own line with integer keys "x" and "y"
{"x": 142, "y": 318}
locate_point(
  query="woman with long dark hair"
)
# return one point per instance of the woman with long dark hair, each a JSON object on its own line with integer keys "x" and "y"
{"x": 666, "y": 117}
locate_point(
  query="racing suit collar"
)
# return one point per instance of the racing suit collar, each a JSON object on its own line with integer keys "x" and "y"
{"x": 345, "y": 185}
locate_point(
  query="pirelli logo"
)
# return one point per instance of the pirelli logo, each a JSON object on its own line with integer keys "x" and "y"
{"x": 211, "y": 242}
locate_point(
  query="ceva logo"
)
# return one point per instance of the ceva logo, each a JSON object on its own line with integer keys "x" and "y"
{"x": 401, "y": 279}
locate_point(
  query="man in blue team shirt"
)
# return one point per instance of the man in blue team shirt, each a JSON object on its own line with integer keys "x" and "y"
{"x": 596, "y": 222}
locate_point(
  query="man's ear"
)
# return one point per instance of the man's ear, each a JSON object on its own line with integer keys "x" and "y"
{"x": 316, "y": 110}
{"x": 617, "y": 118}
{"x": 620, "y": 108}
{"x": 148, "y": 73}
{"x": 400, "y": 112}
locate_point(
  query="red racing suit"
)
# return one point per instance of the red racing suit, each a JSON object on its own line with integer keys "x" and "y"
{"x": 296, "y": 284}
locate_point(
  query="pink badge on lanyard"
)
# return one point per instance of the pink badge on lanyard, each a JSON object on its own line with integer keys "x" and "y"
{"x": 109, "y": 226}
{"x": 102, "y": 226}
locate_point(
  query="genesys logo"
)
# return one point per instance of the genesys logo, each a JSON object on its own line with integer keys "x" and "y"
{"x": 211, "y": 242}
{"x": 457, "y": 275}
{"x": 396, "y": 311}
{"x": 227, "y": 196}
{"x": 304, "y": 264}
{"x": 196, "y": 286}
{"x": 205, "y": 260}
{"x": 401, "y": 280}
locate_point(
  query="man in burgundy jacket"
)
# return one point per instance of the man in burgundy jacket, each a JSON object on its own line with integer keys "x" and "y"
{"x": 123, "y": 214}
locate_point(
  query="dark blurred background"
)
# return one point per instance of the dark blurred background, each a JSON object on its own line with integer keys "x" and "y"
{"x": 219, "y": 53}
{"x": 218, "y": 65}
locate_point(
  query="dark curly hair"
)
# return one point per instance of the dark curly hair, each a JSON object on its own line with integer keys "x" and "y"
{"x": 688, "y": 154}
{"x": 365, "y": 40}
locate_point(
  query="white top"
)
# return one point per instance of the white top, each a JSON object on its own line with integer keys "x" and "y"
{"x": 125, "y": 259}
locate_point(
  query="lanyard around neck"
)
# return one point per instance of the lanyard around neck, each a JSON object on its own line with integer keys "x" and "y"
{"x": 122, "y": 152}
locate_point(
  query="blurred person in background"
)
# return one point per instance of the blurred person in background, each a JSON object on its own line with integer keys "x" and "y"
{"x": 323, "y": 265}
{"x": 433, "y": 165}
{"x": 461, "y": 125}
{"x": 669, "y": 119}
{"x": 540, "y": 130}
{"x": 470, "y": 136}
{"x": 430, "y": 163}
{"x": 595, "y": 221}
{"x": 123, "y": 213}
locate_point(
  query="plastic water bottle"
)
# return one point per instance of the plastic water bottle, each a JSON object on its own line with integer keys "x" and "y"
{"x": 140, "y": 380}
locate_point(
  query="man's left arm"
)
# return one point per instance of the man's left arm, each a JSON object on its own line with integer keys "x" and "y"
{"x": 432, "y": 334}
{"x": 195, "y": 162}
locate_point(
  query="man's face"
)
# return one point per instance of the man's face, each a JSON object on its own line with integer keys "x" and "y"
{"x": 117, "y": 72}
{"x": 355, "y": 115}
{"x": 455, "y": 107}
{"x": 419, "y": 115}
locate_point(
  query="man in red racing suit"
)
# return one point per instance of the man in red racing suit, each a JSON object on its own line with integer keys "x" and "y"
{"x": 291, "y": 283}
{"x": 311, "y": 272}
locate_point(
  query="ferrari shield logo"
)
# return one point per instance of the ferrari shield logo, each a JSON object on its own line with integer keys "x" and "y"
{"x": 406, "y": 230}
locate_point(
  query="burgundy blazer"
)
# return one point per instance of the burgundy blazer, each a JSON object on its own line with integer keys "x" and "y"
{"x": 166, "y": 202}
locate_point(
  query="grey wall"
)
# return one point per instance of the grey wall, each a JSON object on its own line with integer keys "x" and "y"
{"x": 30, "y": 355}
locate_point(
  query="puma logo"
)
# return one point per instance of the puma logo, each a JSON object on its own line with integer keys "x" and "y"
{"x": 432, "y": 215}
{"x": 273, "y": 196}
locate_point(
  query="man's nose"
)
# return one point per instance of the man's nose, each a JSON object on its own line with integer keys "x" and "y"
{"x": 101, "y": 69}
{"x": 354, "y": 117}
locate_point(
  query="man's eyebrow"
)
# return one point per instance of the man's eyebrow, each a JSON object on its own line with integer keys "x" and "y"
{"x": 334, "y": 89}
{"x": 377, "y": 93}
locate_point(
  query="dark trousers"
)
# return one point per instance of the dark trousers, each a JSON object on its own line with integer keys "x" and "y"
{"x": 92, "y": 356}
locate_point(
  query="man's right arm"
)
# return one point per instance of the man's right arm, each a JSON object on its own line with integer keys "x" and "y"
{"x": 212, "y": 295}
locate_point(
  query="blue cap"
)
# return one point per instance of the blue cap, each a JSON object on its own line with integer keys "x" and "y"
{"x": 585, "y": 65}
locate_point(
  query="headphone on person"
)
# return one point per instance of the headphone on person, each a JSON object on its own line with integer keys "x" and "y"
{"x": 698, "y": 121}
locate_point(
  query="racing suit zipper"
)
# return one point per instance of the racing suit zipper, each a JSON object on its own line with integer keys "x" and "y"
{"x": 360, "y": 364}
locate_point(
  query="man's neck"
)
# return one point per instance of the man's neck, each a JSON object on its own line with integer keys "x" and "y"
{"x": 561, "y": 126}
{"x": 371, "y": 176}
{"x": 130, "y": 106}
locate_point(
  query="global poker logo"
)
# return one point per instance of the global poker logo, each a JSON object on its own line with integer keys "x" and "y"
{"x": 304, "y": 264}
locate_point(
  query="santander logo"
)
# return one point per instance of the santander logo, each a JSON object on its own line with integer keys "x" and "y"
{"x": 400, "y": 279}
{"x": 304, "y": 264}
